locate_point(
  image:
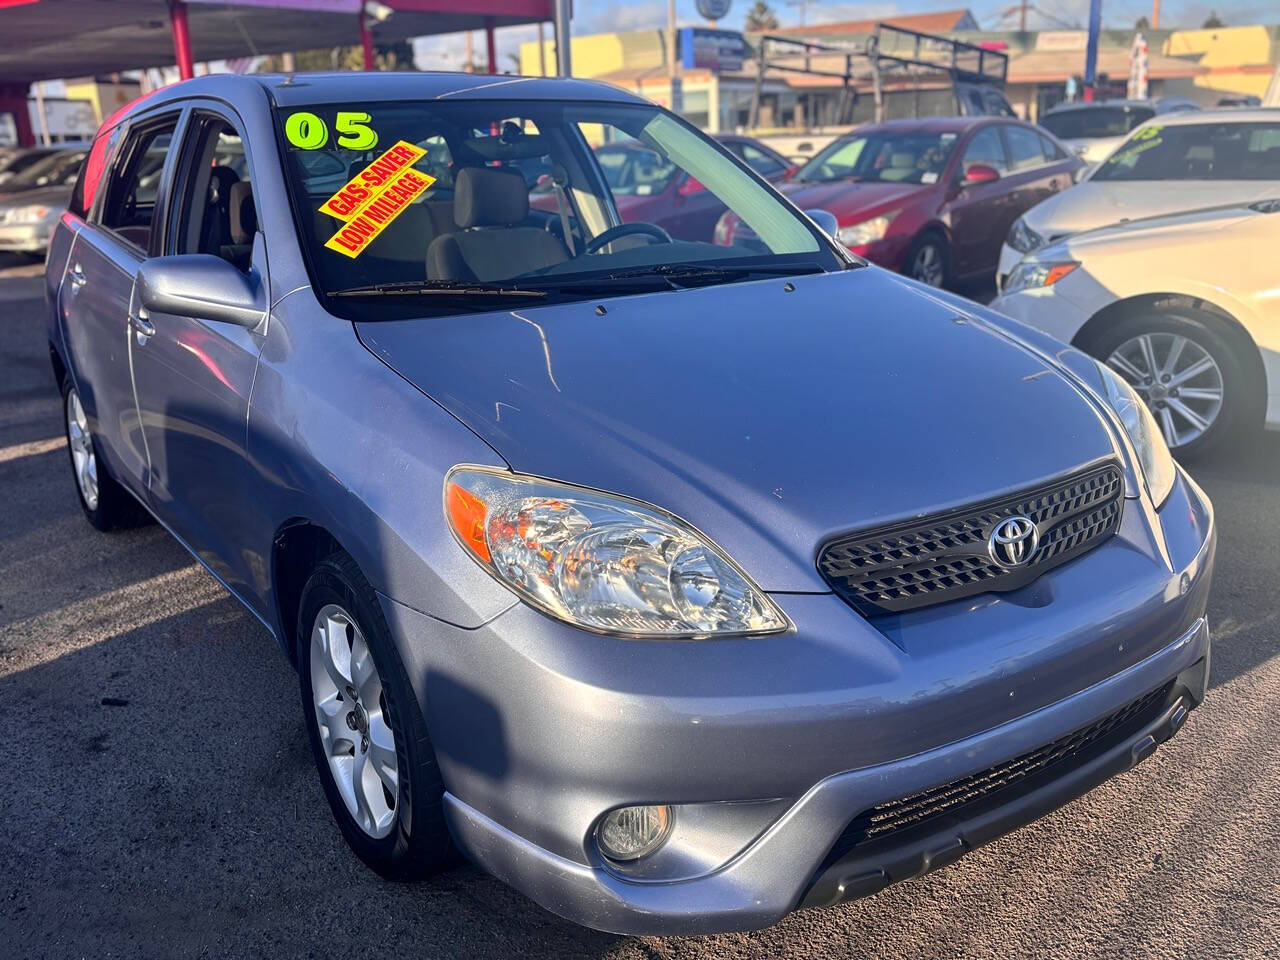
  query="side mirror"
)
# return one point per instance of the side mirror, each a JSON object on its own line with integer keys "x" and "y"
{"x": 690, "y": 187}
{"x": 1082, "y": 172}
{"x": 790, "y": 172}
{"x": 980, "y": 173}
{"x": 825, "y": 220}
{"x": 202, "y": 286}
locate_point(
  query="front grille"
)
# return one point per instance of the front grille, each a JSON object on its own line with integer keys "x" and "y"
{"x": 1001, "y": 783}
{"x": 945, "y": 557}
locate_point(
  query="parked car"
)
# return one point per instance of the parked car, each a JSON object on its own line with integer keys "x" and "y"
{"x": 1093, "y": 130}
{"x": 14, "y": 160}
{"x": 929, "y": 198}
{"x": 57, "y": 169}
{"x": 649, "y": 187}
{"x": 1183, "y": 306}
{"x": 1176, "y": 162}
{"x": 583, "y": 566}
{"x": 32, "y": 202}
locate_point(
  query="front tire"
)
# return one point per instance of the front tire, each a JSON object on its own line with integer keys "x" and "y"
{"x": 1188, "y": 374}
{"x": 929, "y": 260}
{"x": 375, "y": 759}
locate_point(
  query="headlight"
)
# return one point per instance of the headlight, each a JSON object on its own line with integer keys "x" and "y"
{"x": 30, "y": 214}
{"x": 868, "y": 231}
{"x": 1148, "y": 442}
{"x": 1023, "y": 239}
{"x": 602, "y": 562}
{"x": 1030, "y": 274}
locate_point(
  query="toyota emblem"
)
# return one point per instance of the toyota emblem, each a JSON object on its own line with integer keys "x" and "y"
{"x": 1013, "y": 541}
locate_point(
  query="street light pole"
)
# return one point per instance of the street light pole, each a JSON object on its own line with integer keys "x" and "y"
{"x": 673, "y": 68}
{"x": 564, "y": 61}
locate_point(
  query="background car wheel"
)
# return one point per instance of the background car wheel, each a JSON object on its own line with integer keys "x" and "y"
{"x": 376, "y": 762}
{"x": 106, "y": 504}
{"x": 929, "y": 260}
{"x": 1188, "y": 373}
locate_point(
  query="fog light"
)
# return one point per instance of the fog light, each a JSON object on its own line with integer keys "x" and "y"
{"x": 630, "y": 833}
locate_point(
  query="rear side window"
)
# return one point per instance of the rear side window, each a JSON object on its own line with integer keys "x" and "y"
{"x": 130, "y": 204}
{"x": 1025, "y": 151}
{"x": 985, "y": 148}
{"x": 91, "y": 174}
{"x": 761, "y": 162}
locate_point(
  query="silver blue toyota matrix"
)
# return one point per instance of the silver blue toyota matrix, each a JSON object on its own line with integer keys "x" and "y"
{"x": 678, "y": 585}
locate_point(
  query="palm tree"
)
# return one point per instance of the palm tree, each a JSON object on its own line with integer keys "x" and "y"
{"x": 760, "y": 18}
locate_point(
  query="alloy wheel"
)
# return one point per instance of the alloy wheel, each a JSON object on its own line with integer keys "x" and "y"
{"x": 83, "y": 459}
{"x": 927, "y": 265}
{"x": 1179, "y": 380}
{"x": 351, "y": 712}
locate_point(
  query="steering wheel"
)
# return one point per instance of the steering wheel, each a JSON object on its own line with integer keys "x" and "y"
{"x": 624, "y": 230}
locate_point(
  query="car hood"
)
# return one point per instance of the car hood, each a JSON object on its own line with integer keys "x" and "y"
{"x": 772, "y": 420}
{"x": 1093, "y": 204}
{"x": 850, "y": 201}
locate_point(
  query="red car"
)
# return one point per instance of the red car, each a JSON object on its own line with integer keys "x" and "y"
{"x": 649, "y": 188}
{"x": 932, "y": 198}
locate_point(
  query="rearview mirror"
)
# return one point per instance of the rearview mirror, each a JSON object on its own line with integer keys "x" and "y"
{"x": 826, "y": 221}
{"x": 980, "y": 173}
{"x": 202, "y": 286}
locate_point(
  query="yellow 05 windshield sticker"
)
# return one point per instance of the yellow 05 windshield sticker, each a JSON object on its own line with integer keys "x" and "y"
{"x": 375, "y": 197}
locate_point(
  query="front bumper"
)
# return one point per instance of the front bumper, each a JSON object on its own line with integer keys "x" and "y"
{"x": 540, "y": 729}
{"x": 25, "y": 237}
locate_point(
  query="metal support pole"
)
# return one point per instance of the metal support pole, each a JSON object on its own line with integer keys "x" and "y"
{"x": 491, "y": 47}
{"x": 542, "y": 52}
{"x": 1155, "y": 14}
{"x": 366, "y": 41}
{"x": 181, "y": 38}
{"x": 1091, "y": 51}
{"x": 564, "y": 60}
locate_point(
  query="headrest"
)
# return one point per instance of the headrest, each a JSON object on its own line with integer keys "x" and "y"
{"x": 244, "y": 218}
{"x": 903, "y": 159}
{"x": 220, "y": 181}
{"x": 489, "y": 197}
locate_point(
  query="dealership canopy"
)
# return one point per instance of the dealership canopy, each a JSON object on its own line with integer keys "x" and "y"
{"x": 49, "y": 39}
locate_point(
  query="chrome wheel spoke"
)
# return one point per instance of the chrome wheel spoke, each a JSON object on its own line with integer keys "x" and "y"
{"x": 1167, "y": 428}
{"x": 1170, "y": 364}
{"x": 1203, "y": 365}
{"x": 1187, "y": 414}
{"x": 1200, "y": 393}
{"x": 83, "y": 460}
{"x": 1121, "y": 363}
{"x": 1148, "y": 355}
{"x": 382, "y": 753}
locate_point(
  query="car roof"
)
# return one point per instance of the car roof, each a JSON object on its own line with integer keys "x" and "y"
{"x": 1226, "y": 115}
{"x": 1100, "y": 105}
{"x": 930, "y": 124}
{"x": 353, "y": 86}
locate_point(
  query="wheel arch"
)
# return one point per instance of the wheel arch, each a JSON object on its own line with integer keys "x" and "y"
{"x": 298, "y": 545}
{"x": 1218, "y": 319}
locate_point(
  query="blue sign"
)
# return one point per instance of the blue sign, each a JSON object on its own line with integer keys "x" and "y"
{"x": 721, "y": 51}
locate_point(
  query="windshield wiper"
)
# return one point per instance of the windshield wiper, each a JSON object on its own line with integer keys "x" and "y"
{"x": 673, "y": 276}
{"x": 440, "y": 288}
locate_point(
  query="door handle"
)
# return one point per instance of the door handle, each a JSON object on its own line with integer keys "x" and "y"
{"x": 143, "y": 325}
{"x": 76, "y": 273}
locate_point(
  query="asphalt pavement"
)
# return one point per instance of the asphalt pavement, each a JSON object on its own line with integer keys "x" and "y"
{"x": 158, "y": 799}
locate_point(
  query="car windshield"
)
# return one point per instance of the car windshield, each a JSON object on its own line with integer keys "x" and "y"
{"x": 429, "y": 203}
{"x": 915, "y": 157}
{"x": 56, "y": 169}
{"x": 1198, "y": 151}
{"x": 1095, "y": 123}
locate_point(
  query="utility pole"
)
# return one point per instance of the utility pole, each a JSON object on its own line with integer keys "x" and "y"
{"x": 1022, "y": 17}
{"x": 1155, "y": 14}
{"x": 564, "y": 62}
{"x": 673, "y": 68}
{"x": 1091, "y": 51}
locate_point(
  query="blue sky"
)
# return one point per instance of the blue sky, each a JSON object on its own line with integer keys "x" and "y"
{"x": 598, "y": 16}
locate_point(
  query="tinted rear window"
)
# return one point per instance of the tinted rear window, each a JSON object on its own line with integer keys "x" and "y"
{"x": 1095, "y": 122}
